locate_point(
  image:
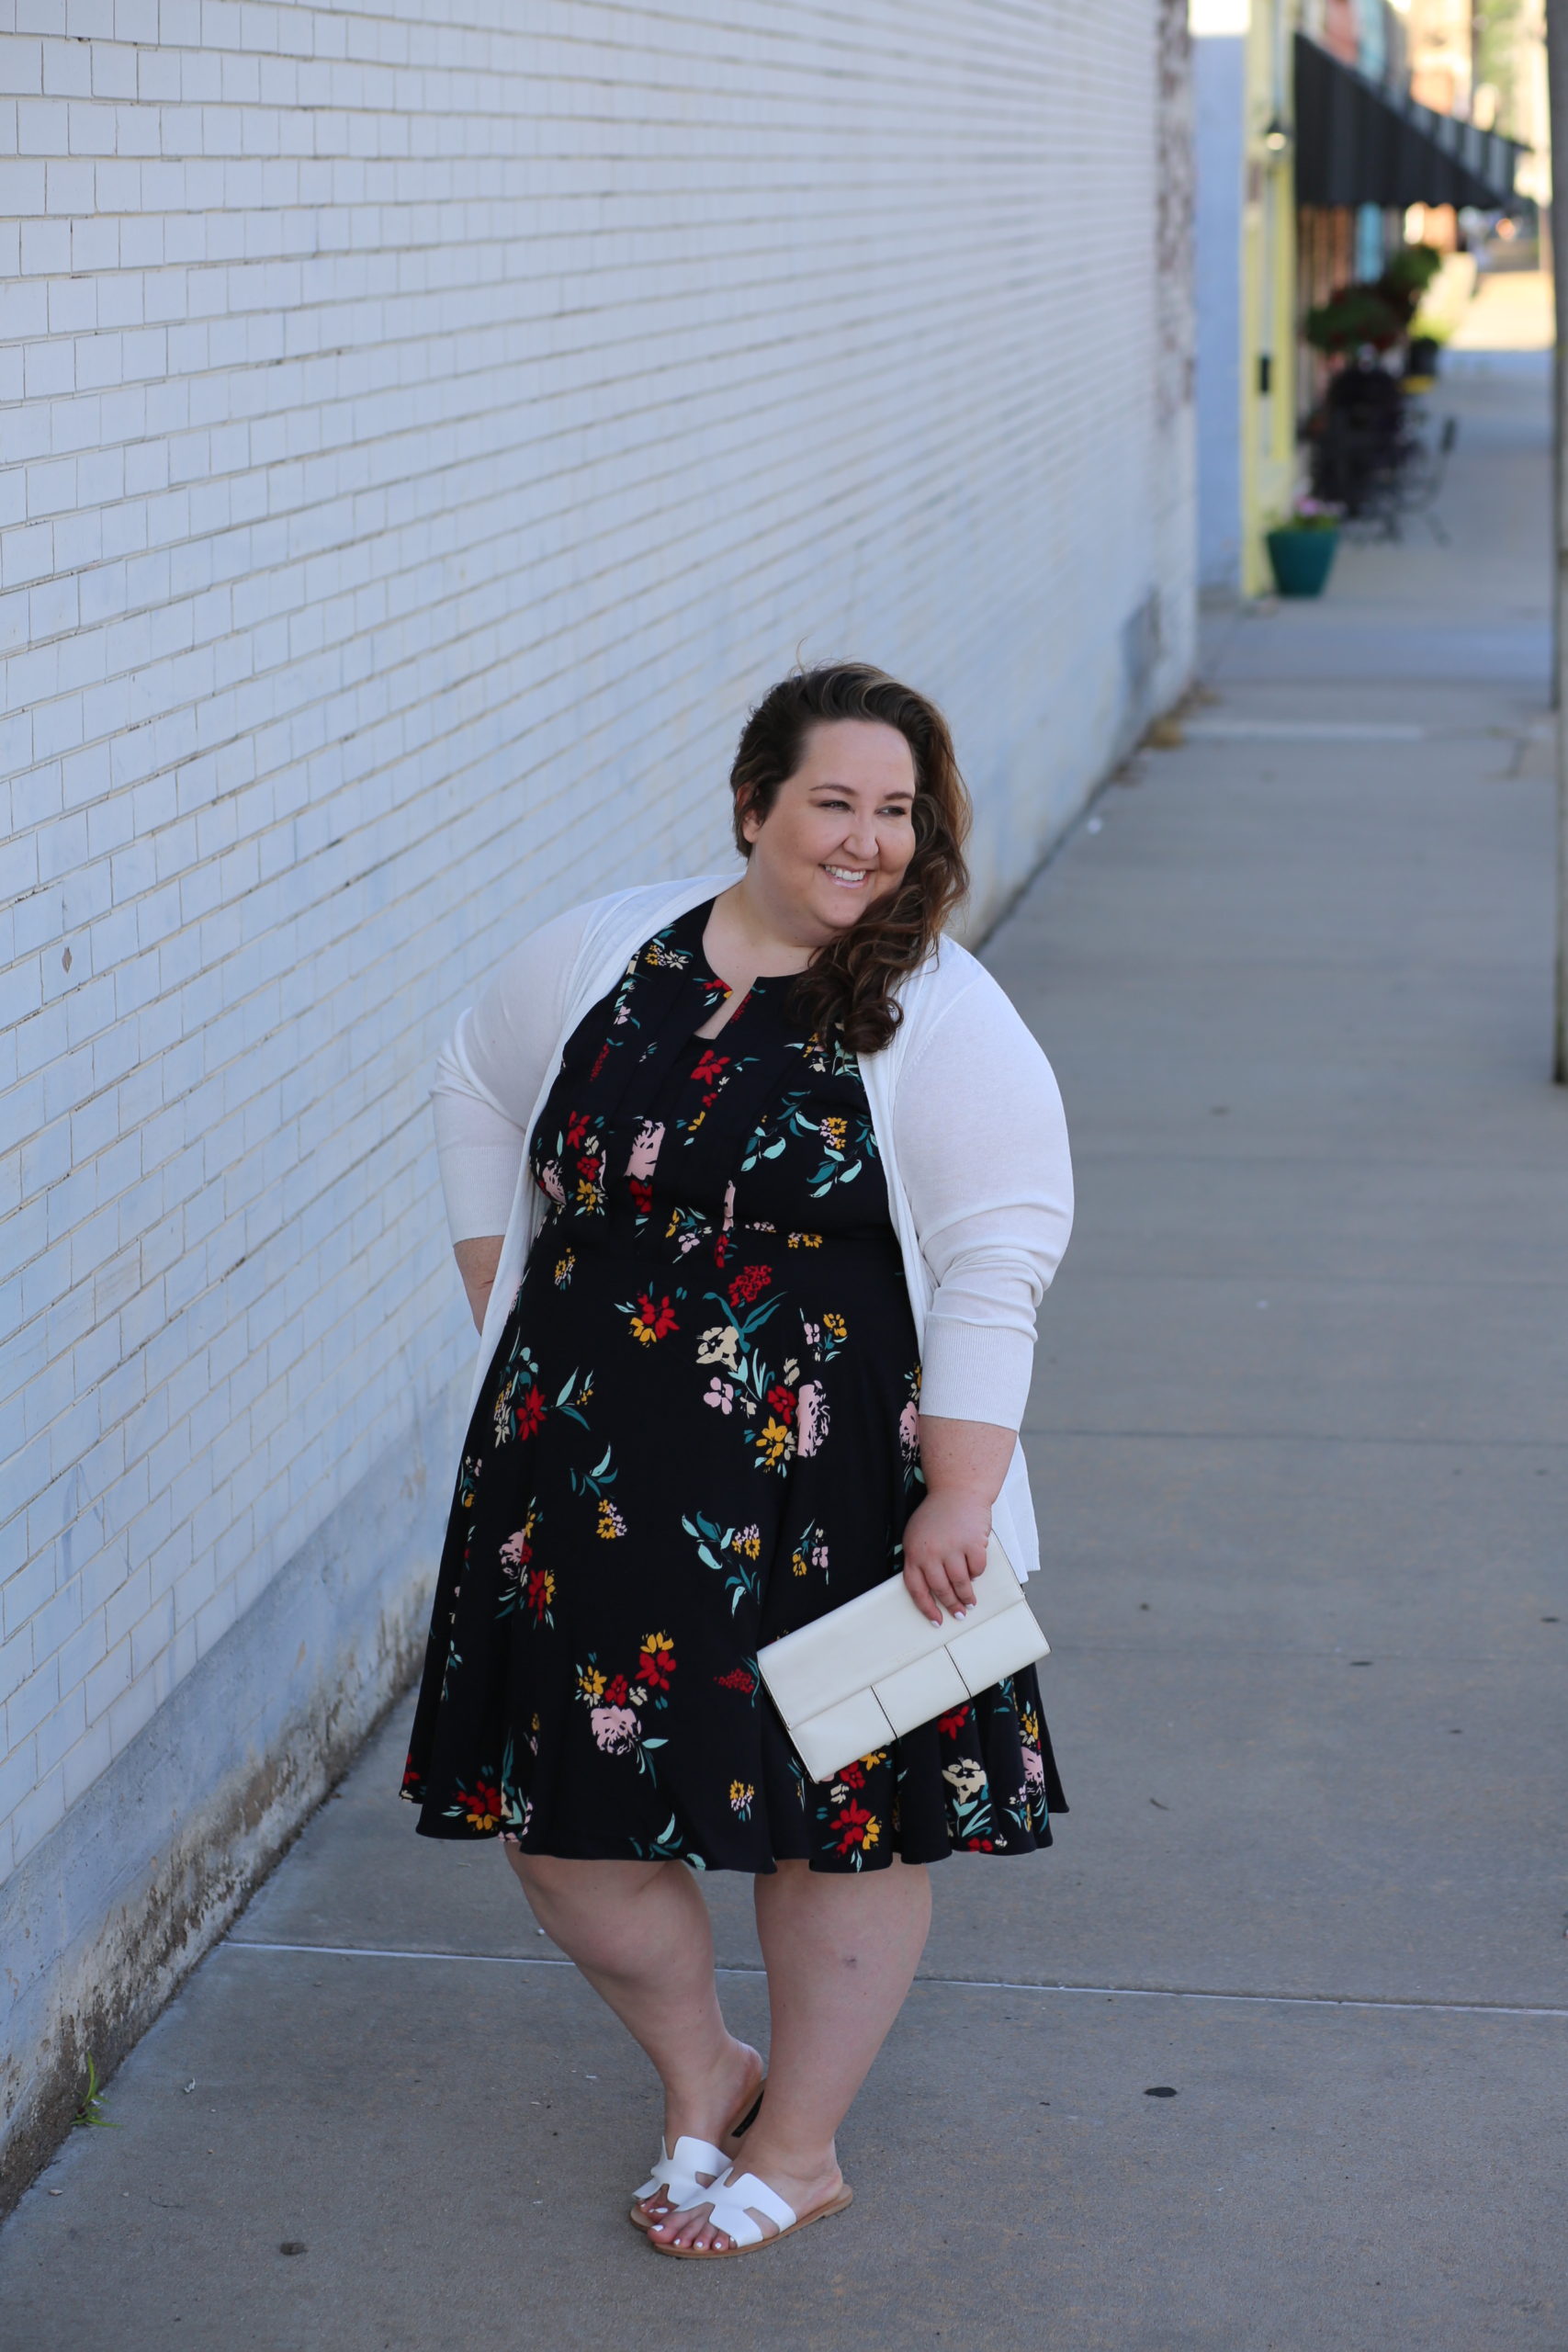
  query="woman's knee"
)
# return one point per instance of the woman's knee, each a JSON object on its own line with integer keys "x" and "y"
{"x": 554, "y": 1879}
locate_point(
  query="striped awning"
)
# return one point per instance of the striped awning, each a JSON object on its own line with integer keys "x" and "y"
{"x": 1358, "y": 142}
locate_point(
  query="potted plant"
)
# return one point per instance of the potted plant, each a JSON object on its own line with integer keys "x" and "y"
{"x": 1354, "y": 318}
{"x": 1302, "y": 551}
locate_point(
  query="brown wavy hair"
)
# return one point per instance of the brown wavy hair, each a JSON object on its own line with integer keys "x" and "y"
{"x": 852, "y": 983}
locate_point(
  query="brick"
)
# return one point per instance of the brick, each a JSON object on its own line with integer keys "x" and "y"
{"x": 424, "y": 439}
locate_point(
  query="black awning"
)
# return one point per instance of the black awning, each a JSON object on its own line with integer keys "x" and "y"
{"x": 1360, "y": 143}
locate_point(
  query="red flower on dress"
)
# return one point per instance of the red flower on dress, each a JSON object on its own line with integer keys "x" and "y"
{"x": 529, "y": 1412}
{"x": 736, "y": 1679}
{"x": 482, "y": 1806}
{"x": 749, "y": 1284}
{"x": 978, "y": 1846}
{"x": 541, "y": 1591}
{"x": 653, "y": 1320}
{"x": 853, "y": 1822}
{"x": 616, "y": 1696}
{"x": 783, "y": 1402}
{"x": 951, "y": 1725}
{"x": 657, "y": 1663}
{"x": 642, "y": 1193}
{"x": 576, "y": 1129}
{"x": 853, "y": 1776}
{"x": 710, "y": 1068}
{"x": 600, "y": 1059}
{"x": 588, "y": 1166}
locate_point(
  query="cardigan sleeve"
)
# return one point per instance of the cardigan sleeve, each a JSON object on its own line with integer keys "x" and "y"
{"x": 492, "y": 1071}
{"x": 982, "y": 1146}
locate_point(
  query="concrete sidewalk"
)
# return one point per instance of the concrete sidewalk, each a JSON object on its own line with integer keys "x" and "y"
{"x": 1298, "y": 1438}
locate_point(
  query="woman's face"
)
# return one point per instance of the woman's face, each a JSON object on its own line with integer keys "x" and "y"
{"x": 841, "y": 832}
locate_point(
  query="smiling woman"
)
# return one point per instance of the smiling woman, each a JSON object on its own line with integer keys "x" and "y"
{"x": 869, "y": 854}
{"x": 755, "y": 1187}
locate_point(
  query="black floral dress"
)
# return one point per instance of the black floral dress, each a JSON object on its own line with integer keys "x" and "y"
{"x": 699, "y": 1430}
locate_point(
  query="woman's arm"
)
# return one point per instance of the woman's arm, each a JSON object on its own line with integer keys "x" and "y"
{"x": 982, "y": 1146}
{"x": 477, "y": 1262}
{"x": 489, "y": 1075}
{"x": 944, "y": 1543}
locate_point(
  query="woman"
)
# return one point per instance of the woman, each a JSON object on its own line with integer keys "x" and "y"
{"x": 755, "y": 1185}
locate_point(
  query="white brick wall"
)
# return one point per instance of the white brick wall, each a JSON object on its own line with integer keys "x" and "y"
{"x": 421, "y": 435}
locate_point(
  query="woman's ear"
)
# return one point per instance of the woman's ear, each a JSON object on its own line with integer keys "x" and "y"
{"x": 750, "y": 821}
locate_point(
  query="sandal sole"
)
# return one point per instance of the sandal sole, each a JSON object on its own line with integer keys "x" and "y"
{"x": 723, "y": 2253}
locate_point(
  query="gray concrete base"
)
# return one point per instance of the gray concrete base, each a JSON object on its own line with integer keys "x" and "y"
{"x": 104, "y": 1917}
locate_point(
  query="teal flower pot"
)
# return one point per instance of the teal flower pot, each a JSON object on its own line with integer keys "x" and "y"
{"x": 1302, "y": 561}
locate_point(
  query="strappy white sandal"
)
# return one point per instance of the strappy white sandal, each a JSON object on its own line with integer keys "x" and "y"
{"x": 734, "y": 2201}
{"x": 675, "y": 2176}
{"x": 678, "y": 2177}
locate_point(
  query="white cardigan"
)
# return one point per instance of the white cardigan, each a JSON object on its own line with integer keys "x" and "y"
{"x": 968, "y": 1123}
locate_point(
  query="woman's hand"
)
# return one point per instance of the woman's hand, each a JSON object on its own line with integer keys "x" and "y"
{"x": 964, "y": 1464}
{"x": 944, "y": 1551}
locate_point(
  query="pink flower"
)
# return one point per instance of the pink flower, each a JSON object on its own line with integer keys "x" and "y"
{"x": 720, "y": 1392}
{"x": 812, "y": 1425}
{"x": 549, "y": 1177}
{"x": 909, "y": 1430}
{"x": 615, "y": 1728}
{"x": 1033, "y": 1768}
{"x": 645, "y": 1150}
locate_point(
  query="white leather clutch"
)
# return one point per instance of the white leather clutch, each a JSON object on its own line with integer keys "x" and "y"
{"x": 855, "y": 1678}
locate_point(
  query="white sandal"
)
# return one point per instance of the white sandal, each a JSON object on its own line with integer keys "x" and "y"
{"x": 733, "y": 2201}
{"x": 676, "y": 2173}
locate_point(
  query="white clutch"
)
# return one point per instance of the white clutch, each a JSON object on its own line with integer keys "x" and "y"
{"x": 858, "y": 1677}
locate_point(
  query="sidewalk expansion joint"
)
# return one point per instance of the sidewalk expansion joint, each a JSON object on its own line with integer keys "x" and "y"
{"x": 951, "y": 1983}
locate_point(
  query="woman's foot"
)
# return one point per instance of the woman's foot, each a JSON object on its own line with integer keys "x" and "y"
{"x": 805, "y": 2191}
{"x": 716, "y": 2111}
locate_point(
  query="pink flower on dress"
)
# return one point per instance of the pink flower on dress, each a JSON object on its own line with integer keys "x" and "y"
{"x": 615, "y": 1728}
{"x": 1033, "y": 1768}
{"x": 549, "y": 1177}
{"x": 811, "y": 1425}
{"x": 910, "y": 1431}
{"x": 721, "y": 1394}
{"x": 645, "y": 1150}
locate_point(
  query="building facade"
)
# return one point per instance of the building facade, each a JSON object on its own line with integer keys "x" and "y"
{"x": 428, "y": 428}
{"x": 1319, "y": 151}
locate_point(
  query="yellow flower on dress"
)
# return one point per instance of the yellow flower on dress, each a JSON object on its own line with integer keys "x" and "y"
{"x": 590, "y": 1682}
{"x": 610, "y": 1524}
{"x": 836, "y": 1325}
{"x": 872, "y": 1832}
{"x": 748, "y": 1540}
{"x": 834, "y": 1131}
{"x": 563, "y": 1269}
{"x": 654, "y": 1643}
{"x": 805, "y": 1241}
{"x": 741, "y": 1793}
{"x": 773, "y": 1441}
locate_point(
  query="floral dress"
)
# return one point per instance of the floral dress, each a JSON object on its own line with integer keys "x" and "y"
{"x": 699, "y": 1432}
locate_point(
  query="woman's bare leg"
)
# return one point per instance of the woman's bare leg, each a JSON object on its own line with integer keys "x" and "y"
{"x": 639, "y": 1932}
{"x": 842, "y": 1952}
